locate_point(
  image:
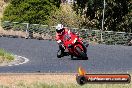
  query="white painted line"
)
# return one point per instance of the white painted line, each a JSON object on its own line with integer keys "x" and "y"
{"x": 24, "y": 58}
{"x": 9, "y": 65}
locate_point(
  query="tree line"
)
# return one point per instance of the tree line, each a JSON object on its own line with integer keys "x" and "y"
{"x": 117, "y": 16}
{"x": 83, "y": 13}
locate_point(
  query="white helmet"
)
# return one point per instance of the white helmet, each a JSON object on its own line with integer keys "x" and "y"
{"x": 59, "y": 28}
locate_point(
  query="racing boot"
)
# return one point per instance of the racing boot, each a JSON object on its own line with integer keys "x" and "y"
{"x": 60, "y": 52}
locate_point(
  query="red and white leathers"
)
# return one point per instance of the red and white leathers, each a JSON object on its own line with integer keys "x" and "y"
{"x": 60, "y": 40}
{"x": 60, "y": 36}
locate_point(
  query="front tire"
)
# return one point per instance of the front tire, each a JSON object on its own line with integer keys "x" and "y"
{"x": 81, "y": 53}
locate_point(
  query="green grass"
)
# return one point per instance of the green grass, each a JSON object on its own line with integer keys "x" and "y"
{"x": 6, "y": 56}
{"x": 43, "y": 85}
{"x": 1, "y": 86}
{"x": 22, "y": 84}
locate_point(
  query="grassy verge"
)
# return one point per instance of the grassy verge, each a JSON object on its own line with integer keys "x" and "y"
{"x": 5, "y": 56}
{"x": 51, "y": 81}
{"x": 44, "y": 85}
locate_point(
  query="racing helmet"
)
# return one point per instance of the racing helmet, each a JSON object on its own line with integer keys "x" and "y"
{"x": 59, "y": 28}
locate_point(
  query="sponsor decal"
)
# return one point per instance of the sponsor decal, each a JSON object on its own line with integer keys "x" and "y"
{"x": 83, "y": 78}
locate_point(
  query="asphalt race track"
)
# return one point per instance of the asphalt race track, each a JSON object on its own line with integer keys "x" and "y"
{"x": 42, "y": 57}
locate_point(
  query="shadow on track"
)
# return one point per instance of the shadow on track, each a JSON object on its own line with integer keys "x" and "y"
{"x": 77, "y": 58}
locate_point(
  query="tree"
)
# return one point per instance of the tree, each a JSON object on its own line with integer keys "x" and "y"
{"x": 66, "y": 16}
{"x": 32, "y": 11}
{"x": 117, "y": 13}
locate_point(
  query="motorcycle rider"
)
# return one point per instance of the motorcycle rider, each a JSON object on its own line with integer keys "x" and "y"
{"x": 60, "y": 32}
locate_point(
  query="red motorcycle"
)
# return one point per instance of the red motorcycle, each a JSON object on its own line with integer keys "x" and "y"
{"x": 75, "y": 46}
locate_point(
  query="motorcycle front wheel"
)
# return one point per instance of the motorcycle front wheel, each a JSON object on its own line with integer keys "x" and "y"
{"x": 81, "y": 53}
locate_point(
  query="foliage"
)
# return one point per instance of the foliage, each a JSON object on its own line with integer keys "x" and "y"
{"x": 32, "y": 11}
{"x": 117, "y": 14}
{"x": 66, "y": 16}
{"x": 6, "y": 1}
